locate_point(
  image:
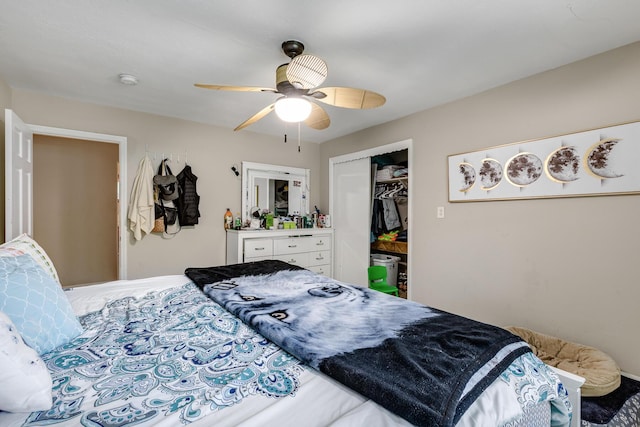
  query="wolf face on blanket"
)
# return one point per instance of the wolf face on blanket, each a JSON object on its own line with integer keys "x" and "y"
{"x": 296, "y": 306}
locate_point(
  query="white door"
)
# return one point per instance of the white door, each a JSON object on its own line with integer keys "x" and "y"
{"x": 18, "y": 176}
{"x": 351, "y": 217}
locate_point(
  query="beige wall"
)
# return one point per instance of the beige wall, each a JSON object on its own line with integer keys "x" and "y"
{"x": 567, "y": 267}
{"x": 211, "y": 153}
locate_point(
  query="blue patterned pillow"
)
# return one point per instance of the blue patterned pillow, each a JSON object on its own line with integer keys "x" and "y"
{"x": 23, "y": 244}
{"x": 36, "y": 304}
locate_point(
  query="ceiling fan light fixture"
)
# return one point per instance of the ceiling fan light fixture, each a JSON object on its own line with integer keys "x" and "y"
{"x": 298, "y": 82}
{"x": 292, "y": 109}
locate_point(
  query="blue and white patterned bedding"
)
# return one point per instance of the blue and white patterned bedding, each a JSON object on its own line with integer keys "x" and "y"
{"x": 87, "y": 372}
{"x": 533, "y": 382}
{"x": 170, "y": 354}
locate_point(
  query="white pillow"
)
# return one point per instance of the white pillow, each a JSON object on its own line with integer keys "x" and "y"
{"x": 25, "y": 382}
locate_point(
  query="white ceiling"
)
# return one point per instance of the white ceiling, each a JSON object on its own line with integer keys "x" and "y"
{"x": 417, "y": 53}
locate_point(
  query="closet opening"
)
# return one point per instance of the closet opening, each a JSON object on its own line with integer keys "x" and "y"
{"x": 390, "y": 216}
{"x": 353, "y": 179}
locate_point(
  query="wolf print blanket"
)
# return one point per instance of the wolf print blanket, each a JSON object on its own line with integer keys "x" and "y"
{"x": 424, "y": 364}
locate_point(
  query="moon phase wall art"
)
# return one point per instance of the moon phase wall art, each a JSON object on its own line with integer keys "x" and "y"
{"x": 596, "y": 162}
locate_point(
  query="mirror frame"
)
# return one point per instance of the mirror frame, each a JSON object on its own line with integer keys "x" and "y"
{"x": 252, "y": 170}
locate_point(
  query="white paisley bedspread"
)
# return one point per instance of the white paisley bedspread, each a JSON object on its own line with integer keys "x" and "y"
{"x": 172, "y": 353}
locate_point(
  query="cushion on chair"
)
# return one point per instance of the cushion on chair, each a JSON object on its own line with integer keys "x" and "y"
{"x": 600, "y": 371}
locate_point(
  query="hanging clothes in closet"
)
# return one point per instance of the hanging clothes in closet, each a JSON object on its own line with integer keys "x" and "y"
{"x": 386, "y": 216}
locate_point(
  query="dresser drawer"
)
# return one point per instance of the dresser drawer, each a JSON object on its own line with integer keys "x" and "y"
{"x": 319, "y": 243}
{"x": 301, "y": 244}
{"x": 319, "y": 258}
{"x": 258, "y": 248}
{"x": 325, "y": 269}
{"x": 291, "y": 245}
{"x": 301, "y": 260}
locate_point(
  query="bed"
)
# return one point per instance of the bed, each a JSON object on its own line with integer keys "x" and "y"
{"x": 167, "y": 351}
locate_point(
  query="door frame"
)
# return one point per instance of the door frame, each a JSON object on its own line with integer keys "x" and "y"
{"x": 406, "y": 144}
{"x": 122, "y": 178}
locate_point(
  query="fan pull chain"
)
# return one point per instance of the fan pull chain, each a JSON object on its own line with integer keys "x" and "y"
{"x": 285, "y": 137}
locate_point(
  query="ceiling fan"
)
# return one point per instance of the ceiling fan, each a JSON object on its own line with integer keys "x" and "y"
{"x": 298, "y": 83}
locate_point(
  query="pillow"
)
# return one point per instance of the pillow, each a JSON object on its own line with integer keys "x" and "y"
{"x": 36, "y": 304}
{"x": 24, "y": 244}
{"x": 25, "y": 382}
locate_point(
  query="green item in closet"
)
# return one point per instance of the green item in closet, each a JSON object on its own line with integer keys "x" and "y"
{"x": 378, "y": 280}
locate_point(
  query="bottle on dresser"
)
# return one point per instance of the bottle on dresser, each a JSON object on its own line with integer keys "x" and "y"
{"x": 228, "y": 220}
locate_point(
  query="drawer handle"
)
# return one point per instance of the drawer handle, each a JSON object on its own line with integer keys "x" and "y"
{"x": 260, "y": 249}
{"x": 319, "y": 258}
{"x": 320, "y": 244}
{"x": 292, "y": 246}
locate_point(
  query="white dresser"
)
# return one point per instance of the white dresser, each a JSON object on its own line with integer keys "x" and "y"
{"x": 310, "y": 248}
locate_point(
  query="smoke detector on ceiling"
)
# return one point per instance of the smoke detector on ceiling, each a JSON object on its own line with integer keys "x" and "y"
{"x": 128, "y": 79}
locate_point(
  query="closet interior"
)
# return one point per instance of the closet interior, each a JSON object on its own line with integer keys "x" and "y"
{"x": 389, "y": 216}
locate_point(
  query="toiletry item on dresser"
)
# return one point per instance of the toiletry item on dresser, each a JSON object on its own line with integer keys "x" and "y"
{"x": 228, "y": 220}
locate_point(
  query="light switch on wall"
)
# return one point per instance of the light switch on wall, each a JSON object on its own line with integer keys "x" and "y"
{"x": 440, "y": 212}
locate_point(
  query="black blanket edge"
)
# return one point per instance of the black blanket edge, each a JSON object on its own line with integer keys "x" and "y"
{"x": 203, "y": 276}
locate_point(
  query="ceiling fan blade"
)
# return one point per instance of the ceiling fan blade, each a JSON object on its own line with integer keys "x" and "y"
{"x": 260, "y": 114}
{"x": 348, "y": 97}
{"x": 236, "y": 88}
{"x": 318, "y": 119}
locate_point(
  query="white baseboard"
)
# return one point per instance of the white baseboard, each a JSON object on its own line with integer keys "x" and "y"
{"x": 633, "y": 377}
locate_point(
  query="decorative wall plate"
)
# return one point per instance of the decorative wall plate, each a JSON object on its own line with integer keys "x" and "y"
{"x": 563, "y": 165}
{"x": 468, "y": 176}
{"x": 524, "y": 169}
{"x": 490, "y": 174}
{"x": 599, "y": 161}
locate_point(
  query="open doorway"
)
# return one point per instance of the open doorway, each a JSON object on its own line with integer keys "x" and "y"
{"x": 18, "y": 171}
{"x": 75, "y": 207}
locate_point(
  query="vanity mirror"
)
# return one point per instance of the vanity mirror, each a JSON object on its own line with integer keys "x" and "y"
{"x": 282, "y": 190}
